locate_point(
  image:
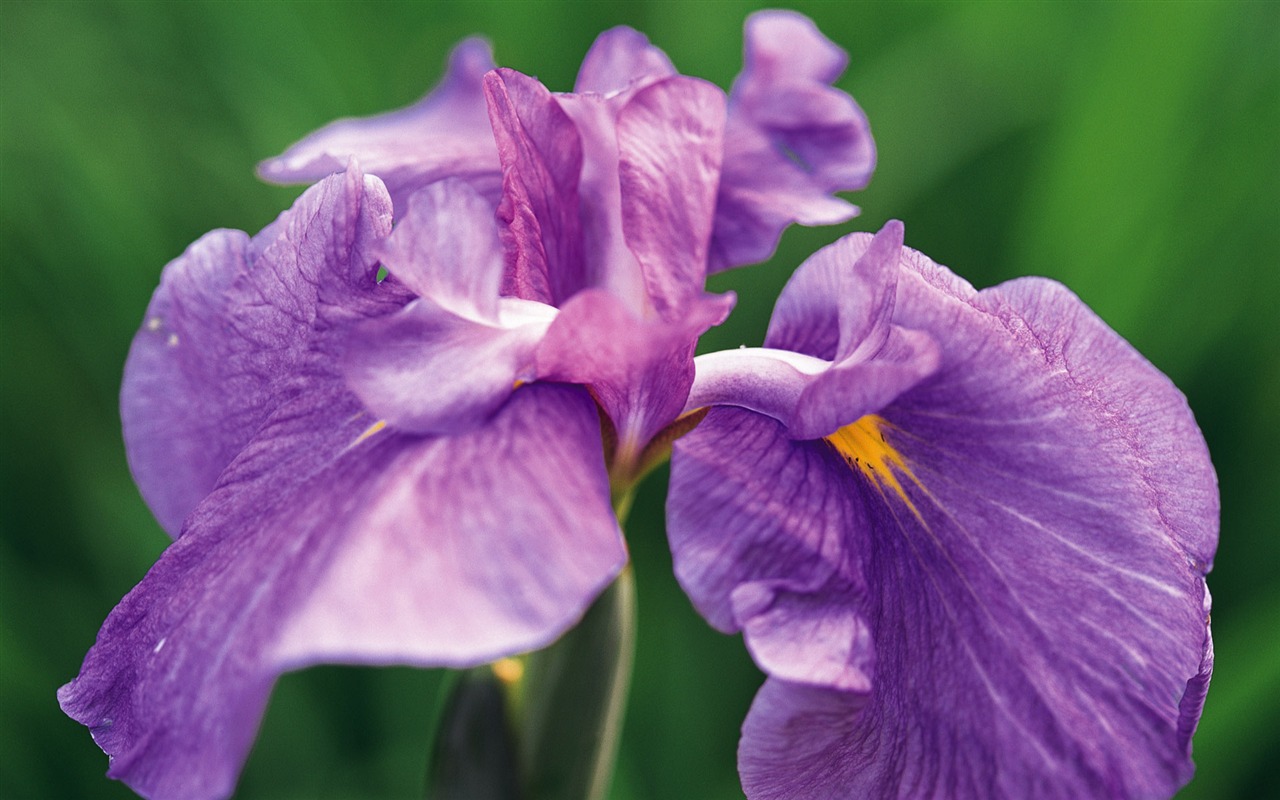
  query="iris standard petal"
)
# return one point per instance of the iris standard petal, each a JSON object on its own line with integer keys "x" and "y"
{"x": 328, "y": 540}
{"x": 1032, "y": 524}
{"x": 618, "y": 58}
{"x": 445, "y": 134}
{"x": 228, "y": 327}
{"x": 670, "y": 136}
{"x": 791, "y": 140}
{"x": 541, "y": 154}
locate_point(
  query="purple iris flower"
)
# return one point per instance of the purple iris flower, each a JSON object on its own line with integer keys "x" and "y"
{"x": 963, "y": 533}
{"x": 791, "y": 138}
{"x": 415, "y": 470}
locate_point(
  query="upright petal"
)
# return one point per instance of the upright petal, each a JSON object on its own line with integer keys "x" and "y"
{"x": 670, "y": 136}
{"x": 541, "y": 154}
{"x": 326, "y": 543}
{"x": 445, "y": 134}
{"x": 228, "y": 327}
{"x": 618, "y": 58}
{"x": 792, "y": 139}
{"x": 1026, "y": 532}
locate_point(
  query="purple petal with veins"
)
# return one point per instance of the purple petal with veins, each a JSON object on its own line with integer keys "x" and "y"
{"x": 792, "y": 139}
{"x": 619, "y": 58}
{"x": 989, "y": 581}
{"x": 445, "y": 134}
{"x": 232, "y": 323}
{"x": 328, "y": 541}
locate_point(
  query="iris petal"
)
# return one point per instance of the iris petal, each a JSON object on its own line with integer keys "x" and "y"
{"x": 428, "y": 370}
{"x": 1033, "y": 586}
{"x": 619, "y": 58}
{"x": 791, "y": 140}
{"x": 669, "y": 145}
{"x": 541, "y": 155}
{"x": 230, "y": 326}
{"x": 325, "y": 542}
{"x": 445, "y": 134}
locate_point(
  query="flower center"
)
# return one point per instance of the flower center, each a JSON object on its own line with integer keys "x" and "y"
{"x": 864, "y": 446}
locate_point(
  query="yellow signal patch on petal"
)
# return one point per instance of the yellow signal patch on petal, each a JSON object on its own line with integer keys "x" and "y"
{"x": 864, "y": 447}
{"x": 371, "y": 430}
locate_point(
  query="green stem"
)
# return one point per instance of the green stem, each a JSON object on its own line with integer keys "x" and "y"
{"x": 573, "y": 700}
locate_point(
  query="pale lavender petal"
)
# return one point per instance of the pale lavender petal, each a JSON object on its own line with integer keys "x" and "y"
{"x": 472, "y": 547}
{"x": 541, "y": 154}
{"x": 791, "y": 140}
{"x": 445, "y": 134}
{"x": 670, "y": 136}
{"x": 446, "y": 247}
{"x": 796, "y": 633}
{"x": 1034, "y": 592}
{"x": 618, "y": 58}
{"x": 428, "y": 370}
{"x": 639, "y": 369}
{"x": 812, "y": 397}
{"x": 229, "y": 326}
{"x": 328, "y": 543}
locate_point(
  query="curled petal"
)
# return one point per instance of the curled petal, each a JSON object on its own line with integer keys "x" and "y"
{"x": 792, "y": 140}
{"x": 796, "y": 633}
{"x": 618, "y": 58}
{"x": 767, "y": 381}
{"x": 445, "y": 134}
{"x": 847, "y": 392}
{"x": 326, "y": 542}
{"x": 232, "y": 325}
{"x": 839, "y": 303}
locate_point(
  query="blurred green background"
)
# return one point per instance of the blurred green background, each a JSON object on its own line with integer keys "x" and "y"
{"x": 1130, "y": 150}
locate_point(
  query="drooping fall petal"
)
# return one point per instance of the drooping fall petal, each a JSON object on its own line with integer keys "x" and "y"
{"x": 1011, "y": 551}
{"x": 330, "y": 541}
